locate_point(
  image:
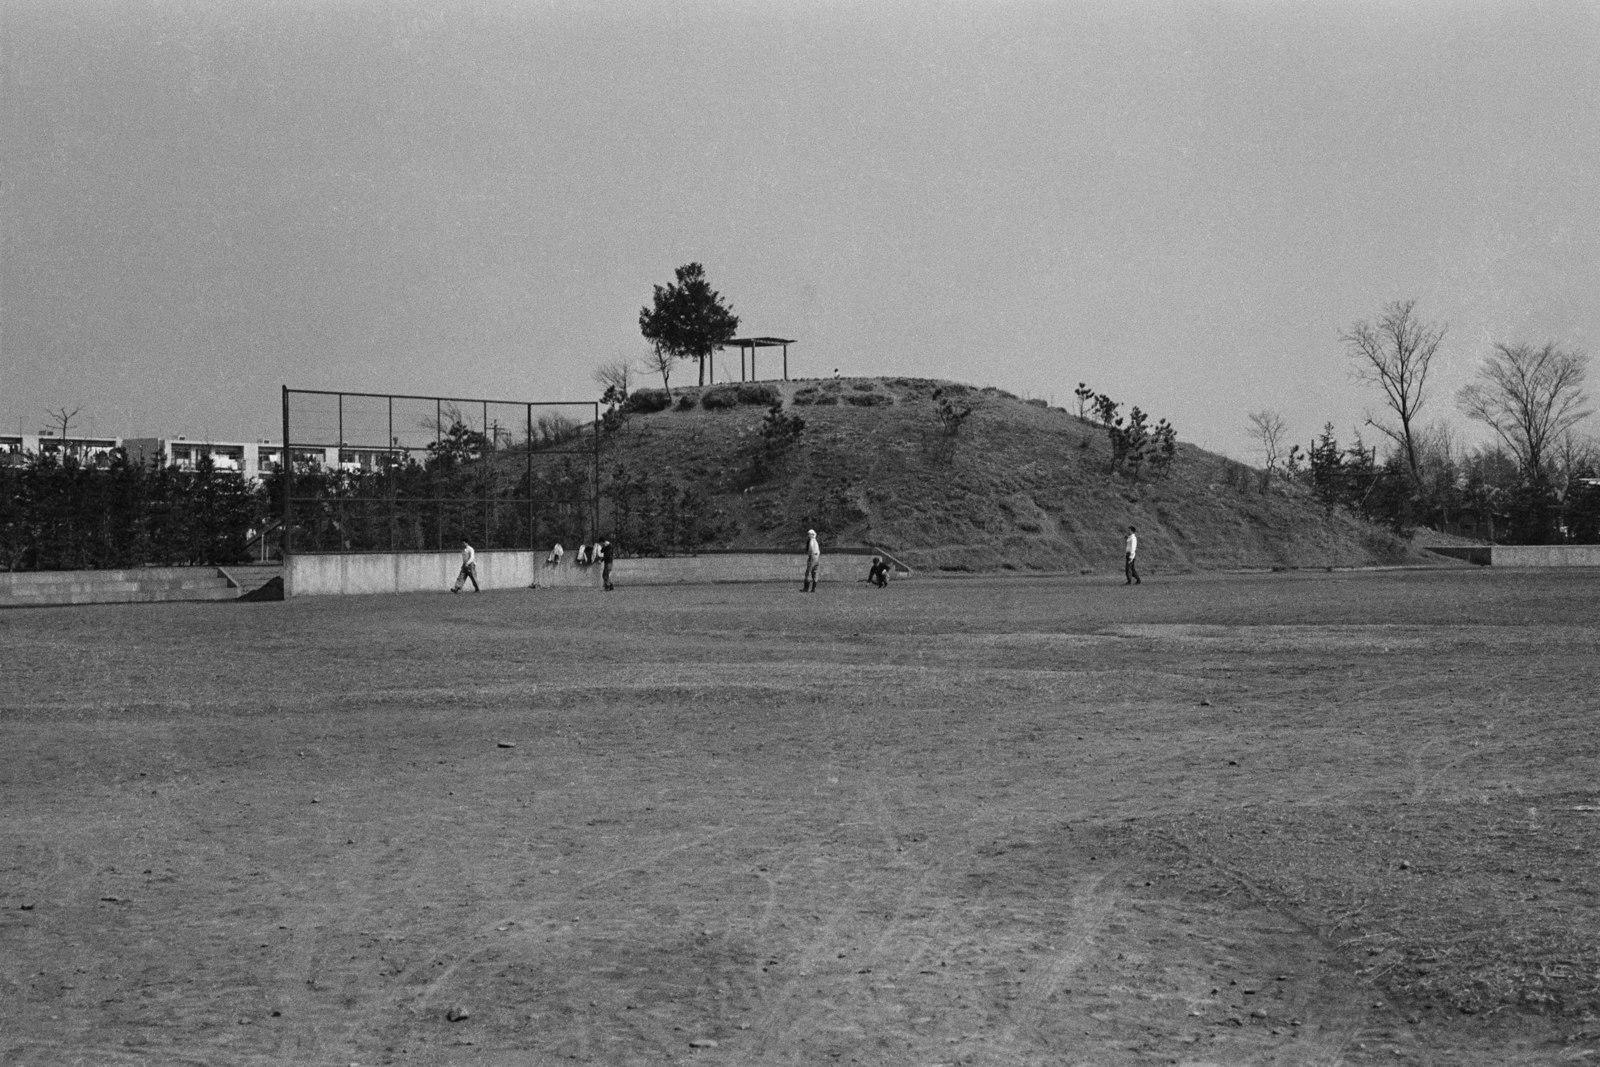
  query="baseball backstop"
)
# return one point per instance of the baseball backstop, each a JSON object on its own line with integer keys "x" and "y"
{"x": 382, "y": 472}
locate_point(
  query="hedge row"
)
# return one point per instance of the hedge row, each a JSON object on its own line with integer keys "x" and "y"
{"x": 56, "y": 516}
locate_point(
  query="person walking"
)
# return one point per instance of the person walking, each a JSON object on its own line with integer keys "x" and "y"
{"x": 469, "y": 570}
{"x": 808, "y": 584}
{"x": 608, "y": 553}
{"x": 1130, "y": 552}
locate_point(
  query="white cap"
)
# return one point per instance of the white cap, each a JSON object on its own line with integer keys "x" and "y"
{"x": 811, "y": 533}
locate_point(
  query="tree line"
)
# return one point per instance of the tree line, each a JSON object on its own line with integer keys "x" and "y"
{"x": 1536, "y": 482}
{"x": 60, "y": 514}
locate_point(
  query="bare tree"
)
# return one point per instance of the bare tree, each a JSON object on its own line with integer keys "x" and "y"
{"x": 1395, "y": 353}
{"x": 660, "y": 360}
{"x": 1530, "y": 397}
{"x": 1438, "y": 446}
{"x": 1577, "y": 455}
{"x": 555, "y": 428}
{"x": 615, "y": 377}
{"x": 1268, "y": 430}
{"x": 448, "y": 414}
{"x": 63, "y": 418}
{"x": 1439, "y": 462}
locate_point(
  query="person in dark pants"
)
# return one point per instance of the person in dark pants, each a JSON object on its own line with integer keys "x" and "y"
{"x": 608, "y": 553}
{"x": 1130, "y": 551}
{"x": 878, "y": 573}
{"x": 469, "y": 569}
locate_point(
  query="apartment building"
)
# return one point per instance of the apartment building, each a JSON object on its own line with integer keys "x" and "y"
{"x": 253, "y": 459}
{"x": 91, "y": 451}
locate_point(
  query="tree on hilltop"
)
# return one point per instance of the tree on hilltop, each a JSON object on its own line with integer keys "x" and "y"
{"x": 615, "y": 379}
{"x": 660, "y": 360}
{"x": 688, "y": 319}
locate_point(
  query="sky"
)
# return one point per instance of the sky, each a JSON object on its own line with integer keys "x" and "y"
{"x": 1182, "y": 204}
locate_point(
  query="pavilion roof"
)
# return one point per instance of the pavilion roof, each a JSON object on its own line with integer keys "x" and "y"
{"x": 761, "y": 342}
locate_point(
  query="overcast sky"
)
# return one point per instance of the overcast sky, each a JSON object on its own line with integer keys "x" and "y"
{"x": 1182, "y": 204}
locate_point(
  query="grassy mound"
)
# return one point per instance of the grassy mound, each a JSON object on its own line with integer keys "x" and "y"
{"x": 1018, "y": 486}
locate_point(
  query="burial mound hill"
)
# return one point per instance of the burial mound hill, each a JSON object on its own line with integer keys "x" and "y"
{"x": 1012, "y": 484}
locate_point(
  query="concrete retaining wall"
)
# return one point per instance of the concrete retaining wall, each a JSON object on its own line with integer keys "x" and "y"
{"x": 411, "y": 572}
{"x": 400, "y": 572}
{"x": 1545, "y": 556}
{"x": 125, "y": 586}
{"x": 717, "y": 567}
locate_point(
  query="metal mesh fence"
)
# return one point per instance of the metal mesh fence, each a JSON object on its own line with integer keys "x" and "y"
{"x": 379, "y": 472}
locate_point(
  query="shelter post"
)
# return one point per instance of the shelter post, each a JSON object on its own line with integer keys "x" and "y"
{"x": 753, "y": 343}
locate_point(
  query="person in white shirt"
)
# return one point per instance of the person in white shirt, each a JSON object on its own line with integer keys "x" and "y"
{"x": 813, "y": 563}
{"x": 1130, "y": 550}
{"x": 469, "y": 570}
{"x": 554, "y": 558}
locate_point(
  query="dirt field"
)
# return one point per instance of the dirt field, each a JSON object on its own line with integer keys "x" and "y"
{"x": 1246, "y": 819}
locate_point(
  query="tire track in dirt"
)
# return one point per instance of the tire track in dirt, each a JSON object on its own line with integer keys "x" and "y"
{"x": 1423, "y": 779}
{"x": 794, "y": 1014}
{"x": 422, "y": 1000}
{"x": 878, "y": 806}
{"x": 895, "y": 947}
{"x": 1090, "y": 906}
{"x": 1031, "y": 1023}
{"x": 80, "y": 1054}
{"x": 1332, "y": 1017}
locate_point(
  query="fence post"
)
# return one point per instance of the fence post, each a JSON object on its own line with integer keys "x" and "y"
{"x": 485, "y": 474}
{"x": 596, "y": 496}
{"x": 286, "y": 470}
{"x": 532, "y": 507}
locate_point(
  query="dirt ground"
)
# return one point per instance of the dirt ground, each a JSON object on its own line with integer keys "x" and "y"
{"x": 1309, "y": 818}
